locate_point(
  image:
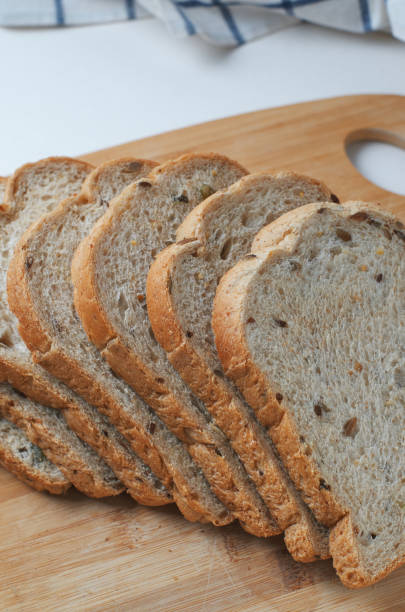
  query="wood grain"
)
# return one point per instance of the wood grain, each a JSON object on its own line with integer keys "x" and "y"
{"x": 73, "y": 553}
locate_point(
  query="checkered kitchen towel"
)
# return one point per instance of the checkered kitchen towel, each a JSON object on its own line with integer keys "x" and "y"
{"x": 222, "y": 22}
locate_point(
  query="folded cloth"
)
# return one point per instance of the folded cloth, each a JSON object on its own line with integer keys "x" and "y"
{"x": 222, "y": 22}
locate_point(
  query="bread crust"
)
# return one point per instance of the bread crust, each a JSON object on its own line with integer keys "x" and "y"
{"x": 122, "y": 462}
{"x": 32, "y": 382}
{"x": 129, "y": 365}
{"x": 30, "y": 477}
{"x": 276, "y": 241}
{"x": 61, "y": 454}
{"x": 34, "y": 478}
{"x": 92, "y": 316}
{"x": 347, "y": 561}
{"x": 307, "y": 543}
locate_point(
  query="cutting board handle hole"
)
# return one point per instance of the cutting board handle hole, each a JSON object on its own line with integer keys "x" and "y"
{"x": 372, "y": 150}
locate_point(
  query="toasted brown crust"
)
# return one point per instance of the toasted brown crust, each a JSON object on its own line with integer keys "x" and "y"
{"x": 69, "y": 370}
{"x": 129, "y": 365}
{"x": 30, "y": 477}
{"x": 29, "y": 381}
{"x": 26, "y": 378}
{"x": 35, "y": 479}
{"x": 346, "y": 559}
{"x": 92, "y": 316}
{"x": 33, "y": 383}
{"x": 306, "y": 544}
{"x": 122, "y": 462}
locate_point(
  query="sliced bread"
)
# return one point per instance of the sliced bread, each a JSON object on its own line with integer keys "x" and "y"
{"x": 180, "y": 292}
{"x": 22, "y": 458}
{"x": 31, "y": 191}
{"x": 311, "y": 327}
{"x": 27, "y": 462}
{"x": 47, "y": 429}
{"x": 41, "y": 295}
{"x": 109, "y": 273}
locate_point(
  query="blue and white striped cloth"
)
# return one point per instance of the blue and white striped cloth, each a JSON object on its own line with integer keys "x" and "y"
{"x": 222, "y": 22}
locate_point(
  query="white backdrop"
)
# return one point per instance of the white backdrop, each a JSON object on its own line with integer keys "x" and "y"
{"x": 73, "y": 90}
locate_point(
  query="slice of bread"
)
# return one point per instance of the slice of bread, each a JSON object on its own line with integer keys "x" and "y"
{"x": 47, "y": 429}
{"x": 109, "y": 273}
{"x": 31, "y": 191}
{"x": 22, "y": 458}
{"x": 42, "y": 298}
{"x": 311, "y": 327}
{"x": 212, "y": 238}
{"x": 27, "y": 462}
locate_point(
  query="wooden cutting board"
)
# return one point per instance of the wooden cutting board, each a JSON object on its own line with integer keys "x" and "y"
{"x": 73, "y": 553}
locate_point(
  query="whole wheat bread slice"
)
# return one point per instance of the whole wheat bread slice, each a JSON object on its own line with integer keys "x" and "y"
{"x": 42, "y": 298}
{"x": 180, "y": 292}
{"x": 22, "y": 458}
{"x": 109, "y": 273}
{"x": 31, "y": 191}
{"x": 27, "y": 462}
{"x": 311, "y": 327}
{"x": 47, "y": 429}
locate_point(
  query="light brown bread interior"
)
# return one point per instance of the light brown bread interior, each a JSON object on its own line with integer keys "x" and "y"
{"x": 18, "y": 455}
{"x": 109, "y": 274}
{"x": 311, "y": 328}
{"x": 42, "y": 298}
{"x": 31, "y": 191}
{"x": 181, "y": 287}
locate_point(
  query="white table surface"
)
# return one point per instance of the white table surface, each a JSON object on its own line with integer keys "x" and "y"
{"x": 68, "y": 91}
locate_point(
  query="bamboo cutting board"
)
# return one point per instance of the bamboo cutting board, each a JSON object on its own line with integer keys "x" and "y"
{"x": 73, "y": 553}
